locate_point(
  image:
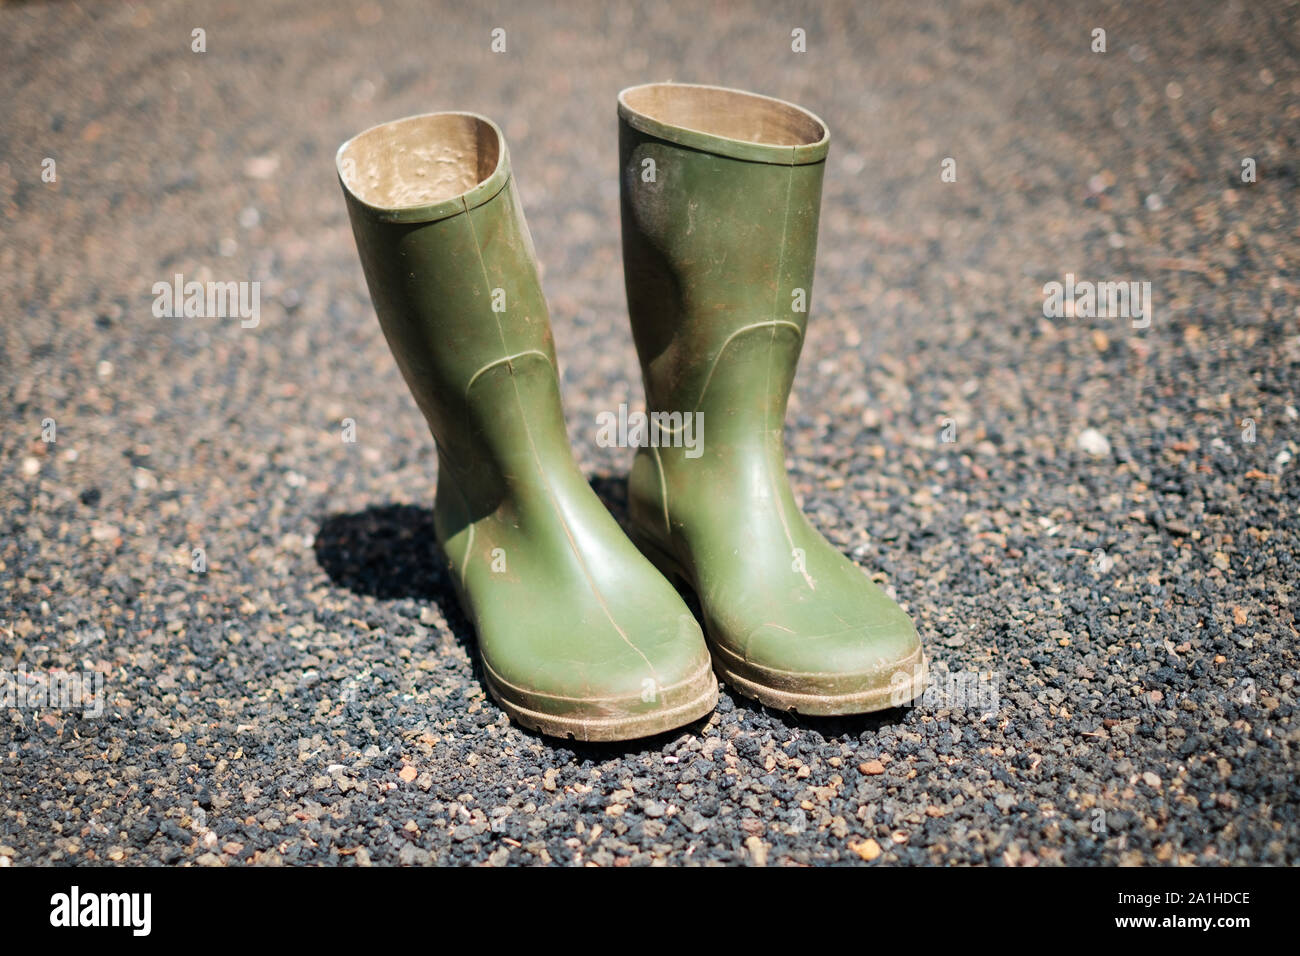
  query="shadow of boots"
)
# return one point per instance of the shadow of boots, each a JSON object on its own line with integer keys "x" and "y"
{"x": 612, "y": 492}
{"x": 391, "y": 552}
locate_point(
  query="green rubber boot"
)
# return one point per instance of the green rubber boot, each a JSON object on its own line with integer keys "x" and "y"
{"x": 579, "y": 635}
{"x": 720, "y": 198}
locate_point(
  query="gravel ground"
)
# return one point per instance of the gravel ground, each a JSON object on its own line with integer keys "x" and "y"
{"x": 1095, "y": 526}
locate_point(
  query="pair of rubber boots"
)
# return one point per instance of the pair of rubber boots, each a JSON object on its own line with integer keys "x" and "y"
{"x": 580, "y": 635}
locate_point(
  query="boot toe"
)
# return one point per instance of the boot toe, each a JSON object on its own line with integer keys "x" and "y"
{"x": 841, "y": 670}
{"x": 612, "y": 686}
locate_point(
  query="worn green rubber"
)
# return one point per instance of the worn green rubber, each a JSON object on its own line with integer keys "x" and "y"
{"x": 579, "y": 635}
{"x": 720, "y": 198}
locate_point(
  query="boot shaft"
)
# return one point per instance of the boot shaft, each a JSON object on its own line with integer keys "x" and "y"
{"x": 452, "y": 273}
{"x": 721, "y": 192}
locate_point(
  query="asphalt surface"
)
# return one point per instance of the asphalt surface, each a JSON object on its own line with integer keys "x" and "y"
{"x": 1094, "y": 525}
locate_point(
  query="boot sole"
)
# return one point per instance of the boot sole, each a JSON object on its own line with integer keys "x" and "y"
{"x": 606, "y": 723}
{"x": 876, "y": 698}
{"x": 788, "y": 696}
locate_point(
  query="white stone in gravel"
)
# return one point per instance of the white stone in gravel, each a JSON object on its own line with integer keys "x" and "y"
{"x": 1094, "y": 443}
{"x": 261, "y": 167}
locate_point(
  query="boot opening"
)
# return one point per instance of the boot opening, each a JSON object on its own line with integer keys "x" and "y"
{"x": 730, "y": 114}
{"x": 419, "y": 160}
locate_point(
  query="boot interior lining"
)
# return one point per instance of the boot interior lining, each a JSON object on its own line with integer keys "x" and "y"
{"x": 727, "y": 113}
{"x": 420, "y": 160}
